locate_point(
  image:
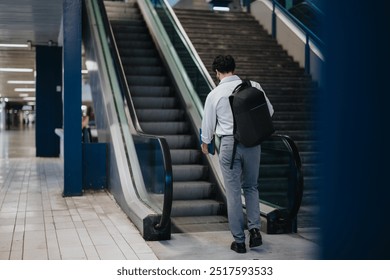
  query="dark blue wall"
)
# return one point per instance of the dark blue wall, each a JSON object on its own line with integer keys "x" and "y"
{"x": 48, "y": 100}
{"x": 353, "y": 110}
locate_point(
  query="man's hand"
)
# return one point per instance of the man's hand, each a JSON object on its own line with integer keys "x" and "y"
{"x": 205, "y": 149}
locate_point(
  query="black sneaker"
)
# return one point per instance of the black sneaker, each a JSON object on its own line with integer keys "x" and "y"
{"x": 255, "y": 238}
{"x": 238, "y": 247}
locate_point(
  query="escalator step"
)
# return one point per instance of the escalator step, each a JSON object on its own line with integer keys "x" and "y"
{"x": 192, "y": 190}
{"x": 144, "y": 61}
{"x": 204, "y": 207}
{"x": 165, "y": 128}
{"x": 145, "y": 70}
{"x": 166, "y": 115}
{"x": 147, "y": 80}
{"x": 200, "y": 224}
{"x": 154, "y": 102}
{"x": 180, "y": 141}
{"x": 128, "y": 54}
{"x": 150, "y": 91}
{"x": 186, "y": 156}
{"x": 191, "y": 172}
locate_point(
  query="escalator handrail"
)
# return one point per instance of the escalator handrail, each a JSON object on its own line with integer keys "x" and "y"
{"x": 166, "y": 156}
{"x": 297, "y": 163}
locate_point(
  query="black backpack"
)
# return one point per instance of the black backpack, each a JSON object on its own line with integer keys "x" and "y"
{"x": 252, "y": 119}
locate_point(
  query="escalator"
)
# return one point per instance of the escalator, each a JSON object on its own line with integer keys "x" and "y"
{"x": 197, "y": 206}
{"x": 131, "y": 152}
{"x": 281, "y": 177}
{"x": 152, "y": 110}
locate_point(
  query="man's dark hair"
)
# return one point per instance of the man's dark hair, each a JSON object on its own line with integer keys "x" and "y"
{"x": 224, "y": 64}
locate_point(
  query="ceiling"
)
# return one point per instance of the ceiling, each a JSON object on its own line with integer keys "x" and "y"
{"x": 37, "y": 21}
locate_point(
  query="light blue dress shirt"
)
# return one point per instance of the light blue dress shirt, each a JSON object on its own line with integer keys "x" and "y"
{"x": 217, "y": 114}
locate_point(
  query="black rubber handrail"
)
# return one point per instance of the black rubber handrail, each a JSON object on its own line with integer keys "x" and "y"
{"x": 166, "y": 155}
{"x": 298, "y": 176}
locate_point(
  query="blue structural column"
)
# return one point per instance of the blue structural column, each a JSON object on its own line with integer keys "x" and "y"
{"x": 354, "y": 131}
{"x": 72, "y": 97}
{"x": 48, "y": 100}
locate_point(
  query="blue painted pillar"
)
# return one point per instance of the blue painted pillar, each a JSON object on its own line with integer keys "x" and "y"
{"x": 72, "y": 97}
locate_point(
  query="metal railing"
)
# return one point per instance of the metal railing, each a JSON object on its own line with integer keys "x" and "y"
{"x": 309, "y": 35}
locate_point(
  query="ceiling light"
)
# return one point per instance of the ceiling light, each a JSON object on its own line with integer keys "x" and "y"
{"x": 221, "y": 9}
{"x": 23, "y": 94}
{"x": 29, "y": 98}
{"x": 25, "y": 89}
{"x": 14, "y": 45}
{"x": 15, "y": 69}
{"x": 21, "y": 82}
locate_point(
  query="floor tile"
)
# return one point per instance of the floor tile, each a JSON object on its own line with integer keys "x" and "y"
{"x": 72, "y": 253}
{"x": 109, "y": 252}
{"x": 35, "y": 254}
{"x": 91, "y": 252}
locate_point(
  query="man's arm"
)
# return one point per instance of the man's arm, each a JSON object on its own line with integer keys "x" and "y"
{"x": 208, "y": 124}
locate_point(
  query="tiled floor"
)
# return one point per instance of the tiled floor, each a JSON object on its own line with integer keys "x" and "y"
{"x": 37, "y": 222}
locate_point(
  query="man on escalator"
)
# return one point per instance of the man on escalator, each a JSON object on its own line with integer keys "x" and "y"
{"x": 243, "y": 172}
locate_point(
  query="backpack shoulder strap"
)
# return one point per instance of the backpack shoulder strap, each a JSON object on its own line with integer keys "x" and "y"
{"x": 233, "y": 153}
{"x": 247, "y": 82}
{"x": 244, "y": 84}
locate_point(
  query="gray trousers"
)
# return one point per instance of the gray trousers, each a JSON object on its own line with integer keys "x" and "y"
{"x": 244, "y": 175}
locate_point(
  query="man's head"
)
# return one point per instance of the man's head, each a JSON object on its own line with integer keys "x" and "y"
{"x": 224, "y": 64}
